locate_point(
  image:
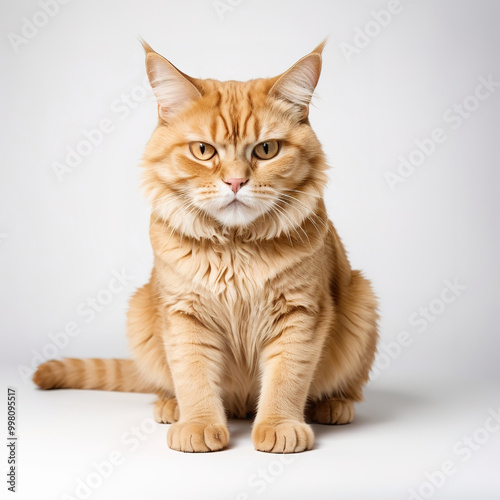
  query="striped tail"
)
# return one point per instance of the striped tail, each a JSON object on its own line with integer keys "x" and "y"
{"x": 92, "y": 373}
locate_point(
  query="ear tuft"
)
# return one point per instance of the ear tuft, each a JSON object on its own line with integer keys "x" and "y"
{"x": 145, "y": 45}
{"x": 320, "y": 47}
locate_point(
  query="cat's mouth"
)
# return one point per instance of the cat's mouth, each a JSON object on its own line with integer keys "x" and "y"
{"x": 235, "y": 203}
{"x": 235, "y": 212}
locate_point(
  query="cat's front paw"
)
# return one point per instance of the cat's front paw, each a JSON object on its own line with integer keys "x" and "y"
{"x": 290, "y": 436}
{"x": 197, "y": 437}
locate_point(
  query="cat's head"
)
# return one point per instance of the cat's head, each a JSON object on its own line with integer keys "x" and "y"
{"x": 234, "y": 156}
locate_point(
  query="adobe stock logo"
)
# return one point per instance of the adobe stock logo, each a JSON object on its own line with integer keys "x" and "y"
{"x": 101, "y": 471}
{"x": 223, "y": 7}
{"x": 453, "y": 118}
{"x": 31, "y": 27}
{"x": 364, "y": 36}
{"x": 91, "y": 139}
{"x": 88, "y": 310}
{"x": 465, "y": 448}
{"x": 420, "y": 320}
{"x": 265, "y": 476}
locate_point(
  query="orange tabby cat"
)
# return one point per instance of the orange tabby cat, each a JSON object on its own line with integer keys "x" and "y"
{"x": 252, "y": 305}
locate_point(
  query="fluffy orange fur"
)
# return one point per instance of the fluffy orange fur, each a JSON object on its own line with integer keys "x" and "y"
{"x": 252, "y": 307}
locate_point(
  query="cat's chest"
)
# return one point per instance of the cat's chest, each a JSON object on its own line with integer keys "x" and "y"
{"x": 234, "y": 290}
{"x": 230, "y": 274}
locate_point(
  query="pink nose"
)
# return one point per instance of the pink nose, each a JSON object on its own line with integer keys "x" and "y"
{"x": 235, "y": 183}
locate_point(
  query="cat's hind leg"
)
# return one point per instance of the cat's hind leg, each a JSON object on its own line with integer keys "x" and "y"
{"x": 332, "y": 411}
{"x": 166, "y": 410}
{"x": 348, "y": 355}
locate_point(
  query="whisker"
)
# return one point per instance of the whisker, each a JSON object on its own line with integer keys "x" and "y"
{"x": 293, "y": 226}
{"x": 303, "y": 192}
{"x": 287, "y": 232}
{"x": 169, "y": 199}
{"x": 306, "y": 208}
{"x": 307, "y": 217}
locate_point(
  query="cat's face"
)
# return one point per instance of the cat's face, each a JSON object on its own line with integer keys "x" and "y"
{"x": 234, "y": 152}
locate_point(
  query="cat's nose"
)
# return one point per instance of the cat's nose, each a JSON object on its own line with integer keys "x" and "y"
{"x": 236, "y": 183}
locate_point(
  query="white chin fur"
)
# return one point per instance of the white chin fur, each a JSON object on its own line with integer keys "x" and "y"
{"x": 239, "y": 214}
{"x": 236, "y": 215}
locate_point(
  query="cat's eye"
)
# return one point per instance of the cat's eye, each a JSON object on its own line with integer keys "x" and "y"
{"x": 202, "y": 150}
{"x": 266, "y": 150}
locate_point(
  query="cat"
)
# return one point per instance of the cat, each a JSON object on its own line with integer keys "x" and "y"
{"x": 252, "y": 307}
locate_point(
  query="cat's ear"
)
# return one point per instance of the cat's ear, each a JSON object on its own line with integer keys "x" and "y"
{"x": 297, "y": 84}
{"x": 172, "y": 88}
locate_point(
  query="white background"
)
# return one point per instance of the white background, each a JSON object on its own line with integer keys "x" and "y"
{"x": 62, "y": 240}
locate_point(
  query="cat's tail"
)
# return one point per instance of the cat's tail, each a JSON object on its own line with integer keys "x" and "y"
{"x": 92, "y": 373}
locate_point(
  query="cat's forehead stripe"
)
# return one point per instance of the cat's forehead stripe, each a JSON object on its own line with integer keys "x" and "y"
{"x": 232, "y": 123}
{"x": 227, "y": 132}
{"x": 249, "y": 114}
